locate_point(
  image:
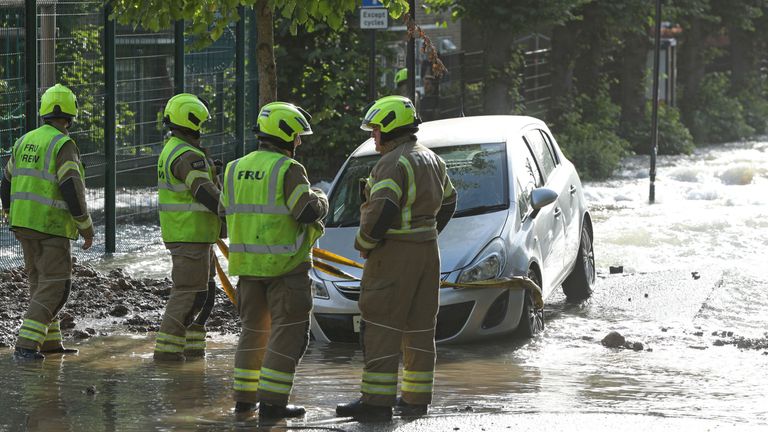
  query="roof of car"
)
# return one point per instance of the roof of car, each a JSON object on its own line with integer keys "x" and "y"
{"x": 461, "y": 130}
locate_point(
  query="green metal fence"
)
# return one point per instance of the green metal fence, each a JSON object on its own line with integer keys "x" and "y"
{"x": 74, "y": 45}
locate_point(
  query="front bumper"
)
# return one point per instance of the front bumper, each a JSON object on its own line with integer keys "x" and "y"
{"x": 464, "y": 315}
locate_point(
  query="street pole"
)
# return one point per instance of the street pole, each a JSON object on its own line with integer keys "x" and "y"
{"x": 30, "y": 64}
{"x": 410, "y": 59}
{"x": 655, "y": 112}
{"x": 240, "y": 83}
{"x": 178, "y": 57}
{"x": 110, "y": 124}
{"x": 372, "y": 65}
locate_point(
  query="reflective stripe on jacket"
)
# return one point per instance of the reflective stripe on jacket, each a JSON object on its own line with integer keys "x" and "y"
{"x": 413, "y": 178}
{"x": 265, "y": 239}
{"x": 36, "y": 201}
{"x": 182, "y": 218}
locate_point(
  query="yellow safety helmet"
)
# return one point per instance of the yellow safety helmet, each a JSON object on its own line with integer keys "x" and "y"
{"x": 186, "y": 110}
{"x": 282, "y": 121}
{"x": 391, "y": 113}
{"x": 401, "y": 76}
{"x": 58, "y": 102}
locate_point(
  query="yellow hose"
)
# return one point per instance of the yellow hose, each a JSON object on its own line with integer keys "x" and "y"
{"x": 226, "y": 285}
{"x": 518, "y": 283}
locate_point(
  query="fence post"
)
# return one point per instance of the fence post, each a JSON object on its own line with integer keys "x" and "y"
{"x": 178, "y": 57}
{"x": 110, "y": 165}
{"x": 253, "y": 70}
{"x": 240, "y": 83}
{"x": 30, "y": 71}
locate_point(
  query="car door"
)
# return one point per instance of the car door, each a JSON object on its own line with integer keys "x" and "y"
{"x": 569, "y": 202}
{"x": 557, "y": 180}
{"x": 528, "y": 177}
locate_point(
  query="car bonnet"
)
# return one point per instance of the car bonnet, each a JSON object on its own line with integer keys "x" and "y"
{"x": 461, "y": 240}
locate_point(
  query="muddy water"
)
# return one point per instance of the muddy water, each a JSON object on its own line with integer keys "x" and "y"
{"x": 694, "y": 293}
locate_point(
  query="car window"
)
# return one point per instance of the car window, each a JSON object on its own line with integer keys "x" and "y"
{"x": 551, "y": 145}
{"x": 478, "y": 173}
{"x": 527, "y": 177}
{"x": 541, "y": 151}
{"x": 346, "y": 198}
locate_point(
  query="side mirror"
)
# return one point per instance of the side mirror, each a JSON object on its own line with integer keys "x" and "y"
{"x": 542, "y": 197}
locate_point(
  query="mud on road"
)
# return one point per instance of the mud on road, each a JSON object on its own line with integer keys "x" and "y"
{"x": 103, "y": 302}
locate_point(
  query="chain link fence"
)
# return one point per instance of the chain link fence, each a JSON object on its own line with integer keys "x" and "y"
{"x": 70, "y": 40}
{"x": 71, "y": 51}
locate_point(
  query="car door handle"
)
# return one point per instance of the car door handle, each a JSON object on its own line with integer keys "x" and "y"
{"x": 558, "y": 212}
{"x": 572, "y": 189}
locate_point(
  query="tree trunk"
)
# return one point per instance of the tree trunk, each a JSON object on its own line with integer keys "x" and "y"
{"x": 589, "y": 63}
{"x": 563, "y": 60}
{"x": 265, "y": 51}
{"x": 691, "y": 63}
{"x": 496, "y": 50}
{"x": 743, "y": 61}
{"x": 632, "y": 70}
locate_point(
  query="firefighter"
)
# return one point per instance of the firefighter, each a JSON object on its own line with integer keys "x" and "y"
{"x": 273, "y": 218}
{"x": 401, "y": 82}
{"x": 189, "y": 222}
{"x": 43, "y": 194}
{"x": 409, "y": 199}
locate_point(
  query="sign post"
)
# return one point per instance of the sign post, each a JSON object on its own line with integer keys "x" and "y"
{"x": 373, "y": 16}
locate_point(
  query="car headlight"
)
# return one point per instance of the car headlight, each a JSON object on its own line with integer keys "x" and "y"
{"x": 318, "y": 289}
{"x": 488, "y": 264}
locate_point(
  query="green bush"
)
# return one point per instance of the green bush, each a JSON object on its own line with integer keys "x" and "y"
{"x": 674, "y": 137}
{"x": 753, "y": 100}
{"x": 718, "y": 117}
{"x": 586, "y": 134}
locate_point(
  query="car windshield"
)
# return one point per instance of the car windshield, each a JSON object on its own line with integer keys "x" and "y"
{"x": 478, "y": 172}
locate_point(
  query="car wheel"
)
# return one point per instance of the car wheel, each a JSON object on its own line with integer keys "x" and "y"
{"x": 532, "y": 318}
{"x": 578, "y": 285}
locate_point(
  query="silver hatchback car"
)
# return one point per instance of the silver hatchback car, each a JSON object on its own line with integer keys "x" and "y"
{"x": 521, "y": 212}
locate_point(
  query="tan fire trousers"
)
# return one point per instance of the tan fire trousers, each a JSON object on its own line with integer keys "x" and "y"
{"x": 274, "y": 315}
{"x": 399, "y": 302}
{"x": 48, "y": 263}
{"x": 183, "y": 327}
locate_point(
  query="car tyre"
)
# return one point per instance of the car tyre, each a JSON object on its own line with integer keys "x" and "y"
{"x": 532, "y": 318}
{"x": 578, "y": 285}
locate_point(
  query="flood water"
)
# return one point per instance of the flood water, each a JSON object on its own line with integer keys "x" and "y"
{"x": 711, "y": 219}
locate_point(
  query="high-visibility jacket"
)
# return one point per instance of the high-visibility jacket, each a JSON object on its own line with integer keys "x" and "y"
{"x": 36, "y": 201}
{"x": 182, "y": 218}
{"x": 265, "y": 239}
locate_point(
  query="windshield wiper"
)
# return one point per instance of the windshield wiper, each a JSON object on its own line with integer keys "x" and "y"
{"x": 480, "y": 210}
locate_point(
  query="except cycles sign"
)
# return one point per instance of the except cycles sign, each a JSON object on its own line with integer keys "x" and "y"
{"x": 373, "y": 15}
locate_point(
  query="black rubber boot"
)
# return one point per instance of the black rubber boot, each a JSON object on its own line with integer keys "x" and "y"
{"x": 25, "y": 354}
{"x": 60, "y": 350}
{"x": 280, "y": 411}
{"x": 364, "y": 412}
{"x": 244, "y": 407}
{"x": 404, "y": 409}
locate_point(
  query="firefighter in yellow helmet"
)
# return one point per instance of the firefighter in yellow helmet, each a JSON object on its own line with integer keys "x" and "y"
{"x": 43, "y": 194}
{"x": 401, "y": 82}
{"x": 409, "y": 199}
{"x": 273, "y": 218}
{"x": 189, "y": 222}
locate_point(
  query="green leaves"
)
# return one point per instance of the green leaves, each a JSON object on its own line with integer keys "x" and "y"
{"x": 210, "y": 17}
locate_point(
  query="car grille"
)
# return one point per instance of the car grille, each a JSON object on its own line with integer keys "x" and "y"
{"x": 351, "y": 290}
{"x": 450, "y": 321}
{"x": 338, "y": 327}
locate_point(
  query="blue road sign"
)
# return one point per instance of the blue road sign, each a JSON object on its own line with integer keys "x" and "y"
{"x": 372, "y": 4}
